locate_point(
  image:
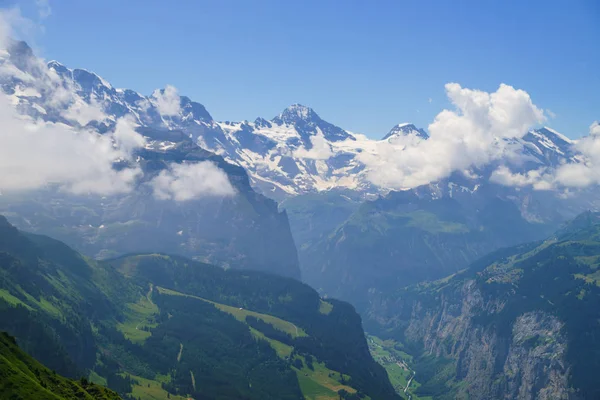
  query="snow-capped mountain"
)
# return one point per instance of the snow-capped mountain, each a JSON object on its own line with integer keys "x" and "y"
{"x": 289, "y": 156}
{"x": 231, "y": 231}
{"x": 406, "y": 129}
{"x": 295, "y": 152}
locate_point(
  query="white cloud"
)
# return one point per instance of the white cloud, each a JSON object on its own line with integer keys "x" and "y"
{"x": 35, "y": 154}
{"x": 184, "y": 182}
{"x": 469, "y": 136}
{"x": 125, "y": 136}
{"x": 43, "y": 7}
{"x": 588, "y": 172}
{"x": 168, "y": 101}
{"x": 320, "y": 149}
{"x": 550, "y": 113}
{"x": 81, "y": 111}
{"x": 570, "y": 175}
{"x": 13, "y": 24}
{"x": 539, "y": 179}
{"x": 595, "y": 128}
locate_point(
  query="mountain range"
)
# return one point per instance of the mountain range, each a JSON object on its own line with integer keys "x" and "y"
{"x": 471, "y": 277}
{"x": 293, "y": 153}
{"x": 236, "y": 227}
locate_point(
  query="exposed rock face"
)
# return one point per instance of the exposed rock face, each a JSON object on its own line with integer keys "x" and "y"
{"x": 525, "y": 359}
{"x": 535, "y": 362}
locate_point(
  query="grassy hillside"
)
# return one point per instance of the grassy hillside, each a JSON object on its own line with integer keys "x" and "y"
{"x": 328, "y": 330}
{"x": 24, "y": 378}
{"x": 315, "y": 379}
{"x": 156, "y": 326}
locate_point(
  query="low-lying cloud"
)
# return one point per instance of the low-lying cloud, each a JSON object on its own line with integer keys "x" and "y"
{"x": 581, "y": 174}
{"x": 36, "y": 154}
{"x": 168, "y": 102}
{"x": 320, "y": 149}
{"x": 191, "y": 181}
{"x": 468, "y": 136}
{"x": 83, "y": 113}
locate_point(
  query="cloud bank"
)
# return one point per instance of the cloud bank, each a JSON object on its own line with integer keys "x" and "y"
{"x": 571, "y": 175}
{"x": 468, "y": 136}
{"x": 185, "y": 182}
{"x": 35, "y": 154}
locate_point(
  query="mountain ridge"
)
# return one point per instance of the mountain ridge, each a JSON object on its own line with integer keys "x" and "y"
{"x": 233, "y": 231}
{"x": 296, "y": 152}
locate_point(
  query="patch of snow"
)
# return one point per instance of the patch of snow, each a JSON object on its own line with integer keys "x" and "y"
{"x": 560, "y": 135}
{"x": 39, "y": 108}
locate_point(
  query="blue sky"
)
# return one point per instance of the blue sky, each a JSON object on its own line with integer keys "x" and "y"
{"x": 363, "y": 65}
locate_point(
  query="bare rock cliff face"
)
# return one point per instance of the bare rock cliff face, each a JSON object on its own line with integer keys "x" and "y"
{"x": 524, "y": 359}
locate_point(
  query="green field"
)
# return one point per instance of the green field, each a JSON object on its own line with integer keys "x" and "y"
{"x": 325, "y": 307}
{"x": 320, "y": 383}
{"x": 139, "y": 316}
{"x": 240, "y": 314}
{"x": 147, "y": 389}
{"x": 282, "y": 349}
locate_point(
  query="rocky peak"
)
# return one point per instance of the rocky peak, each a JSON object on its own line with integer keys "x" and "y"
{"x": 195, "y": 110}
{"x": 297, "y": 113}
{"x": 22, "y": 57}
{"x": 553, "y": 146}
{"x": 307, "y": 122}
{"x": 406, "y": 129}
{"x": 262, "y": 123}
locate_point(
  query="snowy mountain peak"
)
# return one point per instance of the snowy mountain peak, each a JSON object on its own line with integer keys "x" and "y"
{"x": 262, "y": 123}
{"x": 406, "y": 129}
{"x": 58, "y": 67}
{"x": 557, "y": 136}
{"x": 553, "y": 146}
{"x": 295, "y": 113}
{"x": 307, "y": 123}
{"x": 18, "y": 48}
{"x": 22, "y": 57}
{"x": 89, "y": 80}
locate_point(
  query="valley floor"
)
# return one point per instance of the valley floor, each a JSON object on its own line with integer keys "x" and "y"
{"x": 397, "y": 363}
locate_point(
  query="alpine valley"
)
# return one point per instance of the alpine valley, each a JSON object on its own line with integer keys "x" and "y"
{"x": 472, "y": 287}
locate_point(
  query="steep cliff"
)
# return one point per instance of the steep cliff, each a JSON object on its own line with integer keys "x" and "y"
{"x": 521, "y": 323}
